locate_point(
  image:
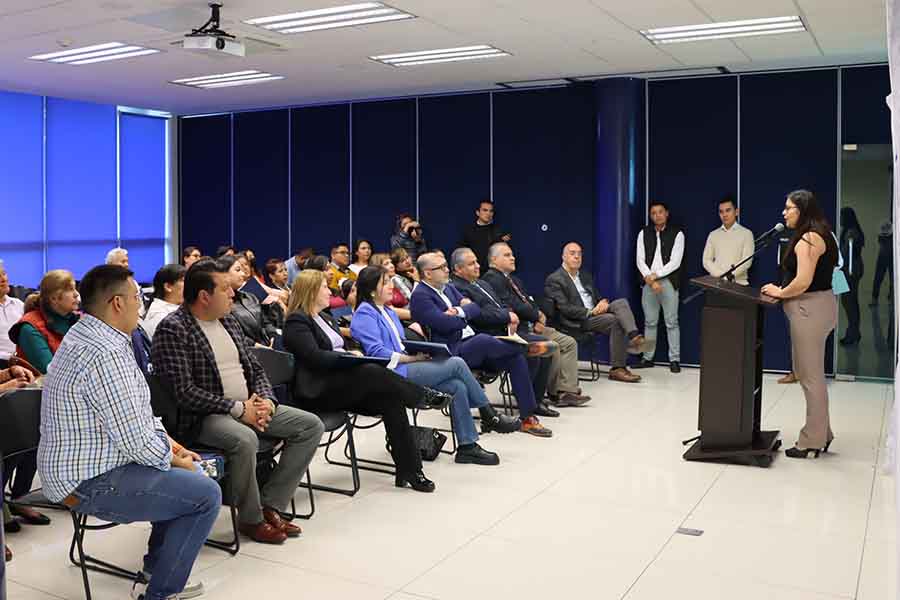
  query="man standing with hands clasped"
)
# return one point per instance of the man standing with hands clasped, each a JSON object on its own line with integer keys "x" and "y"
{"x": 729, "y": 244}
{"x": 660, "y": 248}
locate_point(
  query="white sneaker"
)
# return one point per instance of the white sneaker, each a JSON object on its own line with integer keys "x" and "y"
{"x": 192, "y": 589}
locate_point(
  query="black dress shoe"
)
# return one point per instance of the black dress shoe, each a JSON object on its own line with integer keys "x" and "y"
{"x": 796, "y": 452}
{"x": 12, "y": 527}
{"x": 644, "y": 364}
{"x": 416, "y": 481}
{"x": 492, "y": 421}
{"x": 675, "y": 367}
{"x": 473, "y": 454}
{"x": 434, "y": 399}
{"x": 542, "y": 410}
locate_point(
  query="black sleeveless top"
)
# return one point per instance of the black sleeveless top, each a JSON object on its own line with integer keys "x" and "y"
{"x": 821, "y": 280}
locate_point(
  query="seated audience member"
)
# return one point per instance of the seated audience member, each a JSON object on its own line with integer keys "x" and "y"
{"x": 339, "y": 268}
{"x": 117, "y": 256}
{"x": 248, "y": 265}
{"x": 581, "y": 308}
{"x": 480, "y": 235}
{"x": 227, "y": 400}
{"x": 277, "y": 275}
{"x": 379, "y": 331}
{"x": 48, "y": 316}
{"x": 495, "y": 318}
{"x": 362, "y": 252}
{"x": 563, "y": 384}
{"x": 255, "y": 321}
{"x": 103, "y": 453}
{"x": 326, "y": 380}
{"x": 168, "y": 294}
{"x": 190, "y": 255}
{"x": 405, "y": 277}
{"x": 24, "y": 466}
{"x": 297, "y": 263}
{"x": 317, "y": 263}
{"x": 383, "y": 260}
{"x": 409, "y": 237}
{"x": 225, "y": 251}
{"x": 11, "y": 311}
{"x": 446, "y": 313}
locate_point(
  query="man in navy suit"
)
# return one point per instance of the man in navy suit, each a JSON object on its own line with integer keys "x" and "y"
{"x": 498, "y": 319}
{"x": 446, "y": 313}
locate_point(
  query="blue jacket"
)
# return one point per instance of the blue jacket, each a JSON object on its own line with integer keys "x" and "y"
{"x": 428, "y": 310}
{"x": 374, "y": 334}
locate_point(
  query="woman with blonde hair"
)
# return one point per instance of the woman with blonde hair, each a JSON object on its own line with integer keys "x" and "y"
{"x": 48, "y": 316}
{"x": 326, "y": 381}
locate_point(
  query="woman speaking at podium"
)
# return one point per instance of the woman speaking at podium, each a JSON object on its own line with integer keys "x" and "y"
{"x": 811, "y": 308}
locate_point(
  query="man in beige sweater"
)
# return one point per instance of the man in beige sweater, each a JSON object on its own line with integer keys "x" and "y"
{"x": 729, "y": 244}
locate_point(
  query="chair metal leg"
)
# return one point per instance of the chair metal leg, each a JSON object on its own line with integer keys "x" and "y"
{"x": 87, "y": 562}
{"x": 350, "y": 449}
{"x": 388, "y": 468}
{"x": 509, "y": 405}
{"x": 232, "y": 546}
{"x": 290, "y": 516}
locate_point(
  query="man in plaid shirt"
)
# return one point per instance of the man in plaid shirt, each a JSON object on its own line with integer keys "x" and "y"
{"x": 226, "y": 401}
{"x": 103, "y": 453}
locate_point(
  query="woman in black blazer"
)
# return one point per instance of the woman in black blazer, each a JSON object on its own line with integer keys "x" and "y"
{"x": 324, "y": 381}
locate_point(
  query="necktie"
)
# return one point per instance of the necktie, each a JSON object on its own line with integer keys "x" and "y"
{"x": 518, "y": 292}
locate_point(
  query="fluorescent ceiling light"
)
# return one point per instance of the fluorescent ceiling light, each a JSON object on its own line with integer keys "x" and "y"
{"x": 535, "y": 83}
{"x": 728, "y": 29}
{"x": 93, "y": 54}
{"x": 228, "y": 79}
{"x": 364, "y": 13}
{"x": 442, "y": 55}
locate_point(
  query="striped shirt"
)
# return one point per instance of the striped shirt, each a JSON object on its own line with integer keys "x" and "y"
{"x": 95, "y": 411}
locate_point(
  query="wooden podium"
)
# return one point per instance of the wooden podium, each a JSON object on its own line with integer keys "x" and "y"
{"x": 731, "y": 357}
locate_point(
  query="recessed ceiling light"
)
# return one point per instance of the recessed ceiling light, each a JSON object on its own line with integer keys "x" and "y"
{"x": 427, "y": 57}
{"x": 349, "y": 15}
{"x": 232, "y": 79}
{"x": 94, "y": 54}
{"x": 728, "y": 29}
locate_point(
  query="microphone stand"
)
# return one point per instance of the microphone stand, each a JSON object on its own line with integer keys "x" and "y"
{"x": 729, "y": 274}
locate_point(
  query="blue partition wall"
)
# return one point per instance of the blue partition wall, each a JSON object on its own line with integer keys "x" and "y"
{"x": 544, "y": 176}
{"x": 22, "y": 245}
{"x": 454, "y": 164}
{"x": 205, "y": 189}
{"x": 261, "y": 141}
{"x": 384, "y": 168}
{"x": 693, "y": 161}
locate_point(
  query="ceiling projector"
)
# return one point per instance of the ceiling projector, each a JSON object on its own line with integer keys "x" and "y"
{"x": 210, "y": 37}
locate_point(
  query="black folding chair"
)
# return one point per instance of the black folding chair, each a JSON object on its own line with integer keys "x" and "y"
{"x": 586, "y": 341}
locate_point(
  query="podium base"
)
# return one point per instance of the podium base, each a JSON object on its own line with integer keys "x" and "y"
{"x": 760, "y": 454}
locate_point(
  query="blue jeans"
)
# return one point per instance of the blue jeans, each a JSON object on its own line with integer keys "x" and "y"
{"x": 453, "y": 377}
{"x": 182, "y": 506}
{"x": 667, "y": 299}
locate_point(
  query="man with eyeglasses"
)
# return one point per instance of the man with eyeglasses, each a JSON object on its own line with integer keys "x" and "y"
{"x": 103, "y": 453}
{"x": 339, "y": 268}
{"x": 443, "y": 310}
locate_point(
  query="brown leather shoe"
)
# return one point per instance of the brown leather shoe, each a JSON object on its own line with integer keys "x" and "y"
{"x": 789, "y": 378}
{"x": 624, "y": 375}
{"x": 570, "y": 399}
{"x": 8, "y": 553}
{"x": 273, "y": 518}
{"x": 263, "y": 533}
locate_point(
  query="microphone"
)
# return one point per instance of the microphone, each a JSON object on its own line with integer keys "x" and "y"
{"x": 779, "y": 227}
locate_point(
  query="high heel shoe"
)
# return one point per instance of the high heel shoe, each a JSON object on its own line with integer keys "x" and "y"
{"x": 827, "y": 446}
{"x": 416, "y": 481}
{"x": 796, "y": 452}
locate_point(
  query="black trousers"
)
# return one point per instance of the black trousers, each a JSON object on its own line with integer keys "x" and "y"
{"x": 884, "y": 265}
{"x": 374, "y": 391}
{"x": 20, "y": 469}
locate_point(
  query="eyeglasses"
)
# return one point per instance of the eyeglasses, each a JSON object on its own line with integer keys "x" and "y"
{"x": 342, "y": 252}
{"x": 788, "y": 208}
{"x": 136, "y": 296}
{"x": 443, "y": 267}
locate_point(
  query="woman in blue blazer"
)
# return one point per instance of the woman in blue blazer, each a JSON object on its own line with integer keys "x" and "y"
{"x": 378, "y": 329}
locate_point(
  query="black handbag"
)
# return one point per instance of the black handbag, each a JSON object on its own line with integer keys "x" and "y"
{"x": 429, "y": 441}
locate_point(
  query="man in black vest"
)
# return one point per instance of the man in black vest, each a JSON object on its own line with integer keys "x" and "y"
{"x": 660, "y": 248}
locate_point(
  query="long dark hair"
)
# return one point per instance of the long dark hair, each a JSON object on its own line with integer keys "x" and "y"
{"x": 850, "y": 222}
{"x": 367, "y": 284}
{"x": 811, "y": 218}
{"x": 359, "y": 243}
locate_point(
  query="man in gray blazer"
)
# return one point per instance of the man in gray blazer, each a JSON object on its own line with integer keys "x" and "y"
{"x": 581, "y": 309}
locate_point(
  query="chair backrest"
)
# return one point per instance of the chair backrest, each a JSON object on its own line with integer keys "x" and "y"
{"x": 279, "y": 366}
{"x": 20, "y": 420}
{"x": 162, "y": 400}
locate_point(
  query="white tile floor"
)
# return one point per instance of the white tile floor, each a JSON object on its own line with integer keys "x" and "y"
{"x": 591, "y": 512}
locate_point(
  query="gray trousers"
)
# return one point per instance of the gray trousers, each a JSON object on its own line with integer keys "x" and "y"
{"x": 563, "y": 364}
{"x": 812, "y": 316}
{"x": 617, "y": 322}
{"x": 301, "y": 432}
